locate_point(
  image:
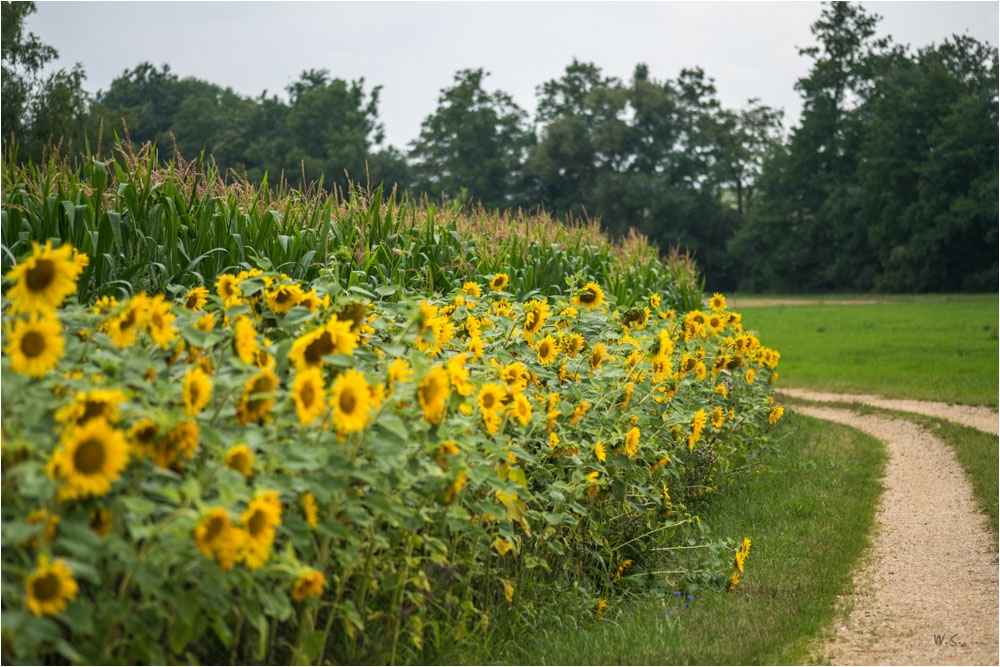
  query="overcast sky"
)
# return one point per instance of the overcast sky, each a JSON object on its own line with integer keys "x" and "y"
{"x": 413, "y": 49}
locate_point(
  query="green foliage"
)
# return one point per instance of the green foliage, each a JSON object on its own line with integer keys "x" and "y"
{"x": 148, "y": 225}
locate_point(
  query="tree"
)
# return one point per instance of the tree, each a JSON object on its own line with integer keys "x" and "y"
{"x": 474, "y": 142}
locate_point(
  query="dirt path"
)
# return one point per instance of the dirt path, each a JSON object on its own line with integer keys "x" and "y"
{"x": 980, "y": 418}
{"x": 927, "y": 593}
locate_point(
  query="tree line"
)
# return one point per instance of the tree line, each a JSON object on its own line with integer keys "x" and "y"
{"x": 888, "y": 182}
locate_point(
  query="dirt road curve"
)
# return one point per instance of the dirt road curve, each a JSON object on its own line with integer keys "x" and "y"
{"x": 927, "y": 593}
{"x": 980, "y": 418}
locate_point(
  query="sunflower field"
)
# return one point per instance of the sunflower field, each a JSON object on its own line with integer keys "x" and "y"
{"x": 289, "y": 470}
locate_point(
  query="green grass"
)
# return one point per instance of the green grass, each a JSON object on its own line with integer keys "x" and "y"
{"x": 938, "y": 347}
{"x": 808, "y": 515}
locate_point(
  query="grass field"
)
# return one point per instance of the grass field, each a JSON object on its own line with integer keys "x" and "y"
{"x": 938, "y": 347}
{"x": 808, "y": 515}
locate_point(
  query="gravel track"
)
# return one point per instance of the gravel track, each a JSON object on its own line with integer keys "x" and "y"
{"x": 926, "y": 593}
{"x": 984, "y": 419}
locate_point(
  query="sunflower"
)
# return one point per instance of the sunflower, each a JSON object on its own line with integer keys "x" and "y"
{"x": 475, "y": 348}
{"x": 547, "y": 350}
{"x": 334, "y": 337}
{"x": 36, "y": 345}
{"x": 49, "y": 586}
{"x": 597, "y": 356}
{"x": 636, "y": 318}
{"x": 308, "y": 585}
{"x": 535, "y": 313}
{"x": 206, "y": 322}
{"x": 227, "y": 286}
{"x": 516, "y": 377}
{"x": 43, "y": 280}
{"x": 240, "y": 458}
{"x": 141, "y": 436}
{"x": 282, "y": 299}
{"x": 159, "y": 321}
{"x": 591, "y": 296}
{"x": 775, "y": 414}
{"x": 698, "y": 421}
{"x": 312, "y": 301}
{"x": 104, "y": 304}
{"x": 124, "y": 327}
{"x": 309, "y": 394}
{"x": 197, "y": 391}
{"x": 472, "y": 289}
{"x": 491, "y": 397}
{"x": 180, "y": 441}
{"x": 749, "y": 377}
{"x": 399, "y": 371}
{"x": 92, "y": 457}
{"x": 258, "y": 397}
{"x": 521, "y": 407}
{"x": 499, "y": 281}
{"x": 632, "y": 441}
{"x": 196, "y": 298}
{"x": 432, "y": 392}
{"x": 716, "y": 323}
{"x": 310, "y": 510}
{"x": 216, "y": 537}
{"x": 718, "y": 417}
{"x": 259, "y": 521}
{"x": 351, "y": 401}
{"x": 245, "y": 340}
{"x": 718, "y": 302}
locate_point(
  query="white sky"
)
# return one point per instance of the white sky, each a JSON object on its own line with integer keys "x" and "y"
{"x": 413, "y": 49}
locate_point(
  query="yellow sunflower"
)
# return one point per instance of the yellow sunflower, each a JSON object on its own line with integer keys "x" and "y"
{"x": 141, "y": 436}
{"x": 259, "y": 522}
{"x": 197, "y": 391}
{"x": 308, "y": 585}
{"x": 698, "y": 421}
{"x": 36, "y": 345}
{"x": 258, "y": 397}
{"x": 309, "y": 394}
{"x": 49, "y": 587}
{"x": 499, "y": 281}
{"x": 521, "y": 408}
{"x": 399, "y": 371}
{"x": 597, "y": 356}
{"x": 716, "y": 323}
{"x": 472, "y": 289}
{"x": 632, "y": 441}
{"x": 335, "y": 337}
{"x": 718, "y": 417}
{"x": 547, "y": 350}
{"x": 43, "y": 280}
{"x": 718, "y": 302}
{"x": 240, "y": 458}
{"x": 124, "y": 327}
{"x": 432, "y": 392}
{"x": 92, "y": 457}
{"x": 159, "y": 321}
{"x": 591, "y": 296}
{"x": 491, "y": 397}
{"x": 227, "y": 286}
{"x": 216, "y": 537}
{"x": 310, "y": 510}
{"x": 351, "y": 401}
{"x": 196, "y": 298}
{"x": 245, "y": 340}
{"x": 775, "y": 414}
{"x": 516, "y": 377}
{"x": 282, "y": 299}
{"x": 535, "y": 314}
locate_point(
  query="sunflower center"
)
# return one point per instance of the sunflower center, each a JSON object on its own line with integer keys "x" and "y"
{"x": 128, "y": 321}
{"x": 146, "y": 434}
{"x": 257, "y": 523}
{"x": 33, "y": 344}
{"x": 92, "y": 409}
{"x": 195, "y": 394}
{"x": 544, "y": 349}
{"x": 89, "y": 456}
{"x": 282, "y": 297}
{"x": 157, "y": 320}
{"x": 489, "y": 400}
{"x": 319, "y": 348}
{"x": 214, "y": 527}
{"x": 46, "y": 588}
{"x": 307, "y": 395}
{"x": 41, "y": 275}
{"x": 348, "y": 402}
{"x": 587, "y": 296}
{"x": 191, "y": 302}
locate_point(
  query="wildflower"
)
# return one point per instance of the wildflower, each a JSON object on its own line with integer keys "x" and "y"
{"x": 43, "y": 280}
{"x": 49, "y": 587}
{"x": 36, "y": 345}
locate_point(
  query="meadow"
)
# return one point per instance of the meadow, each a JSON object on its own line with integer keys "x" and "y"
{"x": 933, "y": 347}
